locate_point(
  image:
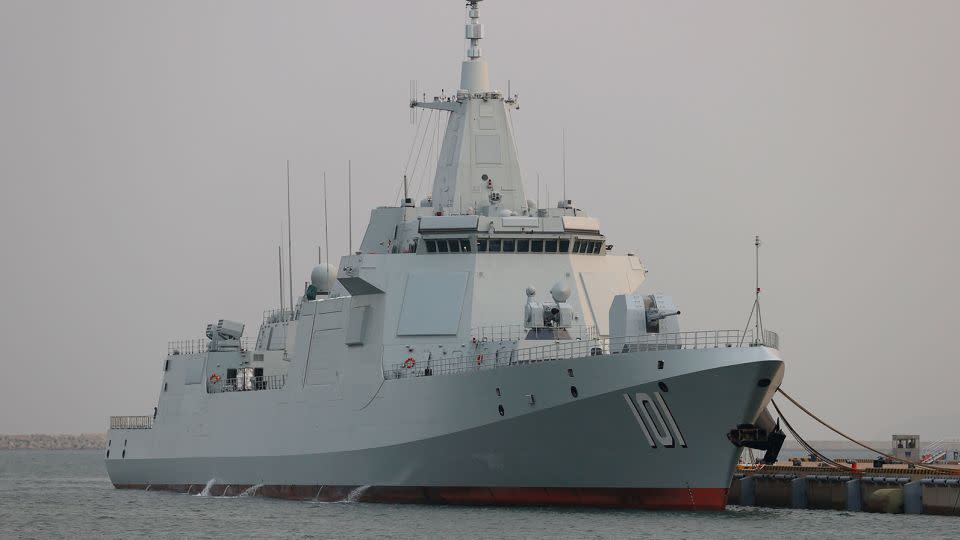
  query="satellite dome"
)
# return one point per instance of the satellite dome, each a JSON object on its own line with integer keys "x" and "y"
{"x": 531, "y": 291}
{"x": 560, "y": 291}
{"x": 323, "y": 277}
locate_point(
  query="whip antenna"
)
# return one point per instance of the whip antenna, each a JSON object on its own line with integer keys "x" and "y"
{"x": 326, "y": 229}
{"x": 349, "y": 208}
{"x": 289, "y": 239}
{"x": 280, "y": 266}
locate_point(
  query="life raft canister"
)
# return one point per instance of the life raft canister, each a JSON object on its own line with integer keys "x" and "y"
{"x": 409, "y": 363}
{"x": 214, "y": 378}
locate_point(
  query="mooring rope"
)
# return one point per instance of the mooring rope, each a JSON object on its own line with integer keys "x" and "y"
{"x": 813, "y": 451}
{"x": 851, "y": 439}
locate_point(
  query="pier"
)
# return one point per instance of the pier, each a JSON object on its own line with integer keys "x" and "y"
{"x": 890, "y": 488}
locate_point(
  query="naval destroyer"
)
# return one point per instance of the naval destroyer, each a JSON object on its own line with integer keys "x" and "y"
{"x": 476, "y": 349}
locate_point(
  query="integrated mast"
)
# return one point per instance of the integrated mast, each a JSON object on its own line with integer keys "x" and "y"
{"x": 478, "y": 170}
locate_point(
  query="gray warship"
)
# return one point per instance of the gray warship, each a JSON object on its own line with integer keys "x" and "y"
{"x": 476, "y": 349}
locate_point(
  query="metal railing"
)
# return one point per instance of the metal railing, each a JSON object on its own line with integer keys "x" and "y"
{"x": 247, "y": 384}
{"x": 278, "y": 315}
{"x": 202, "y": 345}
{"x": 710, "y": 339}
{"x": 131, "y": 422}
{"x": 938, "y": 450}
{"x": 703, "y": 339}
{"x": 510, "y": 332}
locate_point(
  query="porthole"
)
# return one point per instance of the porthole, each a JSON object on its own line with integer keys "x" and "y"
{"x": 124, "y": 443}
{"x": 763, "y": 383}
{"x": 498, "y": 391}
{"x": 164, "y": 387}
{"x": 500, "y": 409}
{"x": 659, "y": 364}
{"x": 124, "y": 454}
{"x": 574, "y": 392}
{"x": 569, "y": 372}
{"x": 108, "y": 454}
{"x": 109, "y": 443}
{"x": 663, "y": 386}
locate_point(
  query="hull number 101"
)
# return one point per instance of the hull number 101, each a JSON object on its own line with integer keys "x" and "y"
{"x": 655, "y": 420}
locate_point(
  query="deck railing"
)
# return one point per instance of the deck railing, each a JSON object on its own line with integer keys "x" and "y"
{"x": 247, "y": 384}
{"x": 202, "y": 345}
{"x": 507, "y": 332}
{"x": 131, "y": 422}
{"x": 710, "y": 339}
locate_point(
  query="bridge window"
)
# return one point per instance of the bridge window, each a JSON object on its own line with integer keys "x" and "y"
{"x": 495, "y": 245}
{"x": 431, "y": 246}
{"x": 509, "y": 245}
{"x": 597, "y": 246}
{"x": 523, "y": 246}
{"x": 442, "y": 246}
{"x": 536, "y": 246}
{"x": 550, "y": 246}
{"x": 454, "y": 246}
{"x": 481, "y": 244}
{"x": 564, "y": 245}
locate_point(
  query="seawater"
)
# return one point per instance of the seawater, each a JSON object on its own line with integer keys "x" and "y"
{"x": 66, "y": 494}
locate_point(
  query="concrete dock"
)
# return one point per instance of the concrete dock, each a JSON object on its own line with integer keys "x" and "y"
{"x": 892, "y": 488}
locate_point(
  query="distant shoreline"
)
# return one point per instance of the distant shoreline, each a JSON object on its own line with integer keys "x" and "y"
{"x": 98, "y": 441}
{"x": 63, "y": 441}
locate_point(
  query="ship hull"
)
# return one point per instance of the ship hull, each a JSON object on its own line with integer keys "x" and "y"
{"x": 600, "y": 448}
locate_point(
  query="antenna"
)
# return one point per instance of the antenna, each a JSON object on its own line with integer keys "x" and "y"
{"x": 755, "y": 311}
{"x": 405, "y": 194}
{"x": 349, "y": 207}
{"x": 538, "y": 190}
{"x": 326, "y": 229}
{"x": 563, "y": 161}
{"x": 289, "y": 239}
{"x": 280, "y": 266}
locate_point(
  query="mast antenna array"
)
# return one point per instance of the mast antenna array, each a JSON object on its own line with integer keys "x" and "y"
{"x": 755, "y": 311}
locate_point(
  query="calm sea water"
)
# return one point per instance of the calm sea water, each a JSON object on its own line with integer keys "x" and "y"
{"x": 66, "y": 494}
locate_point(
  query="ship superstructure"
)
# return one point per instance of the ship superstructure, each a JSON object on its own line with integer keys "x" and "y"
{"x": 475, "y": 349}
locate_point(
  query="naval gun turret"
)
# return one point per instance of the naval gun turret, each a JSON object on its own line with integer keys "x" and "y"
{"x": 635, "y": 315}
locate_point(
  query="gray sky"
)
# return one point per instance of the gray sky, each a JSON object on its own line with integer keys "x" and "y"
{"x": 142, "y": 147}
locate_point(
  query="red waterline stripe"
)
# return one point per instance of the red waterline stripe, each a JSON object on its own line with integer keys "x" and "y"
{"x": 649, "y": 498}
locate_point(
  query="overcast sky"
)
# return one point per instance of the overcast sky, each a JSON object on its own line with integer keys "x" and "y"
{"x": 142, "y": 151}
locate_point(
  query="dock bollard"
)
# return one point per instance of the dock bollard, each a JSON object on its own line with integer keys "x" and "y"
{"x": 798, "y": 494}
{"x": 913, "y": 497}
{"x": 747, "y": 491}
{"x": 854, "y": 500}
